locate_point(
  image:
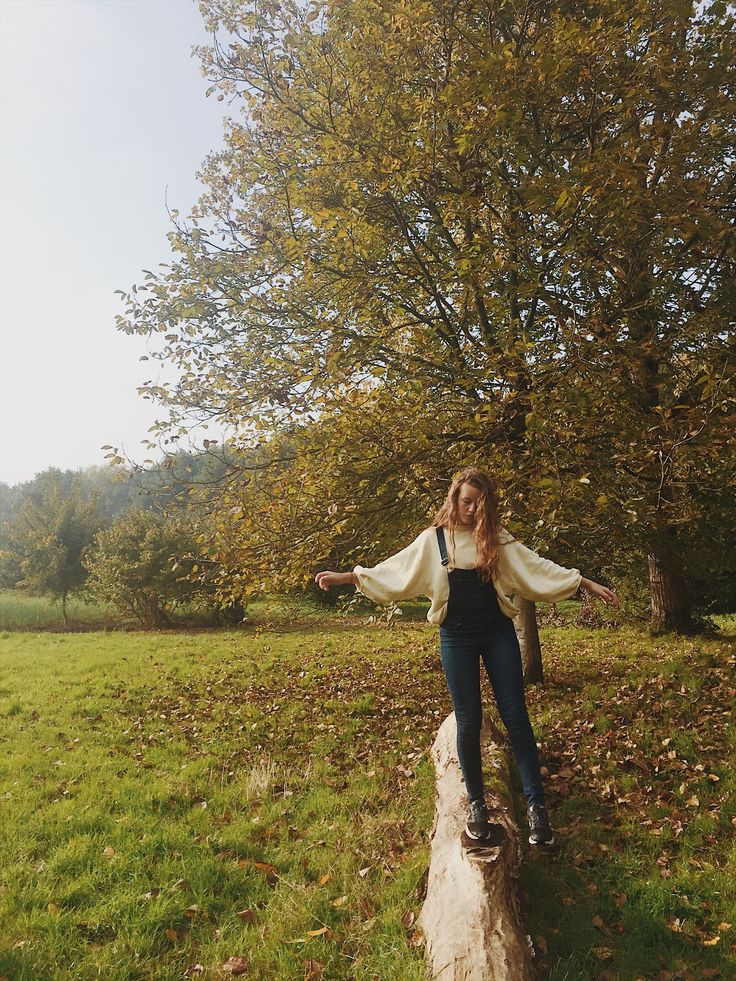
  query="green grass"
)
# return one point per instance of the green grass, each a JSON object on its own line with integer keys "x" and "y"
{"x": 20, "y": 611}
{"x": 153, "y": 786}
{"x": 638, "y": 740}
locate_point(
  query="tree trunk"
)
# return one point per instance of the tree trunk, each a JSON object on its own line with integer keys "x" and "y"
{"x": 531, "y": 648}
{"x": 63, "y": 609}
{"x": 671, "y": 603}
{"x": 471, "y": 918}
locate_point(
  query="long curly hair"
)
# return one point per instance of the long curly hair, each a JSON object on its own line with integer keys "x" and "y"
{"x": 487, "y": 522}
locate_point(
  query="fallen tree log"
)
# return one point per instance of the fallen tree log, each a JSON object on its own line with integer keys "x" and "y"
{"x": 471, "y": 918}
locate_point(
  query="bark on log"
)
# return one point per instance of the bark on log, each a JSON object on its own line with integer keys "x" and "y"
{"x": 471, "y": 918}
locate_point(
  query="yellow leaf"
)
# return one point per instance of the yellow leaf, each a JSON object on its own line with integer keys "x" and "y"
{"x": 340, "y": 901}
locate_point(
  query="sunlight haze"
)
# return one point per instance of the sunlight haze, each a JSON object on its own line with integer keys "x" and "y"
{"x": 103, "y": 119}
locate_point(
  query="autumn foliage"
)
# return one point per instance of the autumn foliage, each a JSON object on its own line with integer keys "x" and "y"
{"x": 443, "y": 233}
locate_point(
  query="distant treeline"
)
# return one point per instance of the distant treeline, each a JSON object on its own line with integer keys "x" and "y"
{"x": 123, "y": 536}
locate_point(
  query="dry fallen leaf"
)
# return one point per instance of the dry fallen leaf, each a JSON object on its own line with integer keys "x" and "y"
{"x": 172, "y": 934}
{"x": 235, "y": 965}
{"x": 340, "y": 901}
{"x": 313, "y": 970}
{"x": 324, "y": 878}
{"x": 247, "y": 915}
{"x": 270, "y": 872}
{"x": 109, "y": 852}
{"x": 318, "y": 933}
{"x": 602, "y": 953}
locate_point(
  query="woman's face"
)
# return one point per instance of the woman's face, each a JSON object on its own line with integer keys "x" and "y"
{"x": 467, "y": 503}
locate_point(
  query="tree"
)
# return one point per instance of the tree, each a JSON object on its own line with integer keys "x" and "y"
{"x": 516, "y": 224}
{"x": 43, "y": 543}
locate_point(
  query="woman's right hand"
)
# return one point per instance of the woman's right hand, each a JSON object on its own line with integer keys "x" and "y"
{"x": 326, "y": 579}
{"x": 602, "y": 592}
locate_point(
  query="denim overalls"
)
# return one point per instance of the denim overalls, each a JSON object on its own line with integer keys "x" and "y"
{"x": 474, "y": 628}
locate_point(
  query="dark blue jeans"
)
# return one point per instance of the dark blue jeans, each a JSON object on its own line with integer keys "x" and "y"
{"x": 498, "y": 647}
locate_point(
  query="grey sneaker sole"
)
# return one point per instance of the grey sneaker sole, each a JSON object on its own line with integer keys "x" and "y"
{"x": 551, "y": 841}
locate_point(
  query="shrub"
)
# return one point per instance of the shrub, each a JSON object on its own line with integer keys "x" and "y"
{"x": 141, "y": 566}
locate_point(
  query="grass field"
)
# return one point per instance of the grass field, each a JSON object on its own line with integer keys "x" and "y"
{"x": 170, "y": 801}
{"x": 19, "y": 611}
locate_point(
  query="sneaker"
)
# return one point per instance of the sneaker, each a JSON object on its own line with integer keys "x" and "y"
{"x": 477, "y": 823}
{"x": 479, "y": 832}
{"x": 540, "y": 832}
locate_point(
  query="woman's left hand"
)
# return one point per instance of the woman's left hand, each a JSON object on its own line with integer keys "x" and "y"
{"x": 602, "y": 592}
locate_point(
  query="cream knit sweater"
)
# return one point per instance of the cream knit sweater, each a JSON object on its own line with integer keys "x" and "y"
{"x": 417, "y": 570}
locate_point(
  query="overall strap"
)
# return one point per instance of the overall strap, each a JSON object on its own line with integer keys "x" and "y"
{"x": 442, "y": 545}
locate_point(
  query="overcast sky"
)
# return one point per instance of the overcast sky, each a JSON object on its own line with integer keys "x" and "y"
{"x": 102, "y": 108}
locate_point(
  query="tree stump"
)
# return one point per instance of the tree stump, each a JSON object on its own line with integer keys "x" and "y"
{"x": 471, "y": 918}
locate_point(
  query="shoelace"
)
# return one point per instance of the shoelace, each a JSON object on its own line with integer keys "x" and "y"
{"x": 478, "y": 813}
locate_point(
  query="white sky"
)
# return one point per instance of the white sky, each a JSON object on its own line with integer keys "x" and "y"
{"x": 102, "y": 107}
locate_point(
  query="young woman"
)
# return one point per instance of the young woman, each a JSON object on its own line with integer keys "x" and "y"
{"x": 469, "y": 566}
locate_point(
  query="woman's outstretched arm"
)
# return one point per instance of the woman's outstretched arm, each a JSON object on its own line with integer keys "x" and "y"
{"x": 537, "y": 578}
{"x": 326, "y": 579}
{"x": 402, "y": 576}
